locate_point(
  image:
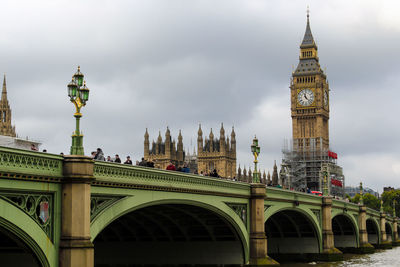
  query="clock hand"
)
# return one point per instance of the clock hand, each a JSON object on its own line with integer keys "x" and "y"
{"x": 306, "y": 97}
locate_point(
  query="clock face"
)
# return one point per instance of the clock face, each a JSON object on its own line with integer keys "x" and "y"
{"x": 326, "y": 98}
{"x": 305, "y": 97}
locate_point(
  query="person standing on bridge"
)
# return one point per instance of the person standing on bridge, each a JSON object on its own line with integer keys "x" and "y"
{"x": 143, "y": 163}
{"x": 171, "y": 167}
{"x": 185, "y": 168}
{"x": 128, "y": 160}
{"x": 99, "y": 155}
{"x": 117, "y": 159}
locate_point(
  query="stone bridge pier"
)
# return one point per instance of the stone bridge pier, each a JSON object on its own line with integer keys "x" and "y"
{"x": 76, "y": 249}
{"x": 329, "y": 251}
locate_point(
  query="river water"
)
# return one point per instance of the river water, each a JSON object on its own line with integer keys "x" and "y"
{"x": 381, "y": 258}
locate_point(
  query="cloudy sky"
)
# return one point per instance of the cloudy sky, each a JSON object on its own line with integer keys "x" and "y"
{"x": 181, "y": 63}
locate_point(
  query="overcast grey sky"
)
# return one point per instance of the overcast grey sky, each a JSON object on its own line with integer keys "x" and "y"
{"x": 177, "y": 63}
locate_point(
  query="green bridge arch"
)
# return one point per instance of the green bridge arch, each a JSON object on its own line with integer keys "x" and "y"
{"x": 315, "y": 222}
{"x": 142, "y": 199}
{"x": 25, "y": 228}
{"x": 352, "y": 220}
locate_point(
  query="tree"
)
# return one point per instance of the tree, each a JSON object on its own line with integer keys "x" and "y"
{"x": 370, "y": 201}
{"x": 388, "y": 198}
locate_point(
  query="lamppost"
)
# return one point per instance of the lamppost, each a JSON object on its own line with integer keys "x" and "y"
{"x": 361, "y": 194}
{"x": 78, "y": 94}
{"x": 324, "y": 173}
{"x": 394, "y": 208}
{"x": 255, "y": 149}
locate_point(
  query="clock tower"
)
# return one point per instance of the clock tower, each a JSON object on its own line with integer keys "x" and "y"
{"x": 309, "y": 99}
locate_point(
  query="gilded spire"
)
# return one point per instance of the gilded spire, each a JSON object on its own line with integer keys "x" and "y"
{"x": 308, "y": 39}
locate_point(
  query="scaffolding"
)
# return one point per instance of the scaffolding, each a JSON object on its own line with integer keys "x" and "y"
{"x": 302, "y": 167}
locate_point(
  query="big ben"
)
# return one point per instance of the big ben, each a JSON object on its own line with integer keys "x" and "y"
{"x": 309, "y": 164}
{"x": 309, "y": 99}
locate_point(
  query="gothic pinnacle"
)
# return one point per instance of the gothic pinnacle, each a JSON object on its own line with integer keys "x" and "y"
{"x": 4, "y": 91}
{"x": 200, "y": 132}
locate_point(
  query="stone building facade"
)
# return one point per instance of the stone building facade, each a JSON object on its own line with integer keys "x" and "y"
{"x": 217, "y": 153}
{"x": 164, "y": 152}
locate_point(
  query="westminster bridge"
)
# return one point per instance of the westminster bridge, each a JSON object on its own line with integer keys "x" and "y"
{"x": 73, "y": 211}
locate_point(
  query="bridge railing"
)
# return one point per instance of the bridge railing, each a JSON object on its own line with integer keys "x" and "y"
{"x": 373, "y": 212}
{"x": 274, "y": 193}
{"x": 342, "y": 204}
{"x": 15, "y": 163}
{"x": 120, "y": 175}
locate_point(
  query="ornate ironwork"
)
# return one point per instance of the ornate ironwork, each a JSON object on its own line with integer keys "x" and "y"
{"x": 266, "y": 207}
{"x": 98, "y": 203}
{"x": 33, "y": 163}
{"x": 38, "y": 206}
{"x": 355, "y": 215}
{"x": 317, "y": 214}
{"x": 111, "y": 174}
{"x": 240, "y": 210}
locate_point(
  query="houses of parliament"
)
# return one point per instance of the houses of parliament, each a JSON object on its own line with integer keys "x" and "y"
{"x": 212, "y": 153}
{"x": 302, "y": 163}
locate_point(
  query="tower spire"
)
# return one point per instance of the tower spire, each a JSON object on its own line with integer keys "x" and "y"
{"x": 308, "y": 39}
{"x": 5, "y": 113}
{"x": 4, "y": 91}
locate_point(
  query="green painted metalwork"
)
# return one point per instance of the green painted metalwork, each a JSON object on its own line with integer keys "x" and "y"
{"x": 100, "y": 202}
{"x": 372, "y": 212}
{"x": 353, "y": 220}
{"x": 79, "y": 95}
{"x": 19, "y": 223}
{"x": 317, "y": 213}
{"x": 266, "y": 207}
{"x": 30, "y": 204}
{"x": 137, "y": 199}
{"x": 309, "y": 214}
{"x": 255, "y": 149}
{"x": 117, "y": 175}
{"x": 17, "y": 162}
{"x": 361, "y": 194}
{"x": 343, "y": 206}
{"x": 240, "y": 210}
{"x": 119, "y": 189}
